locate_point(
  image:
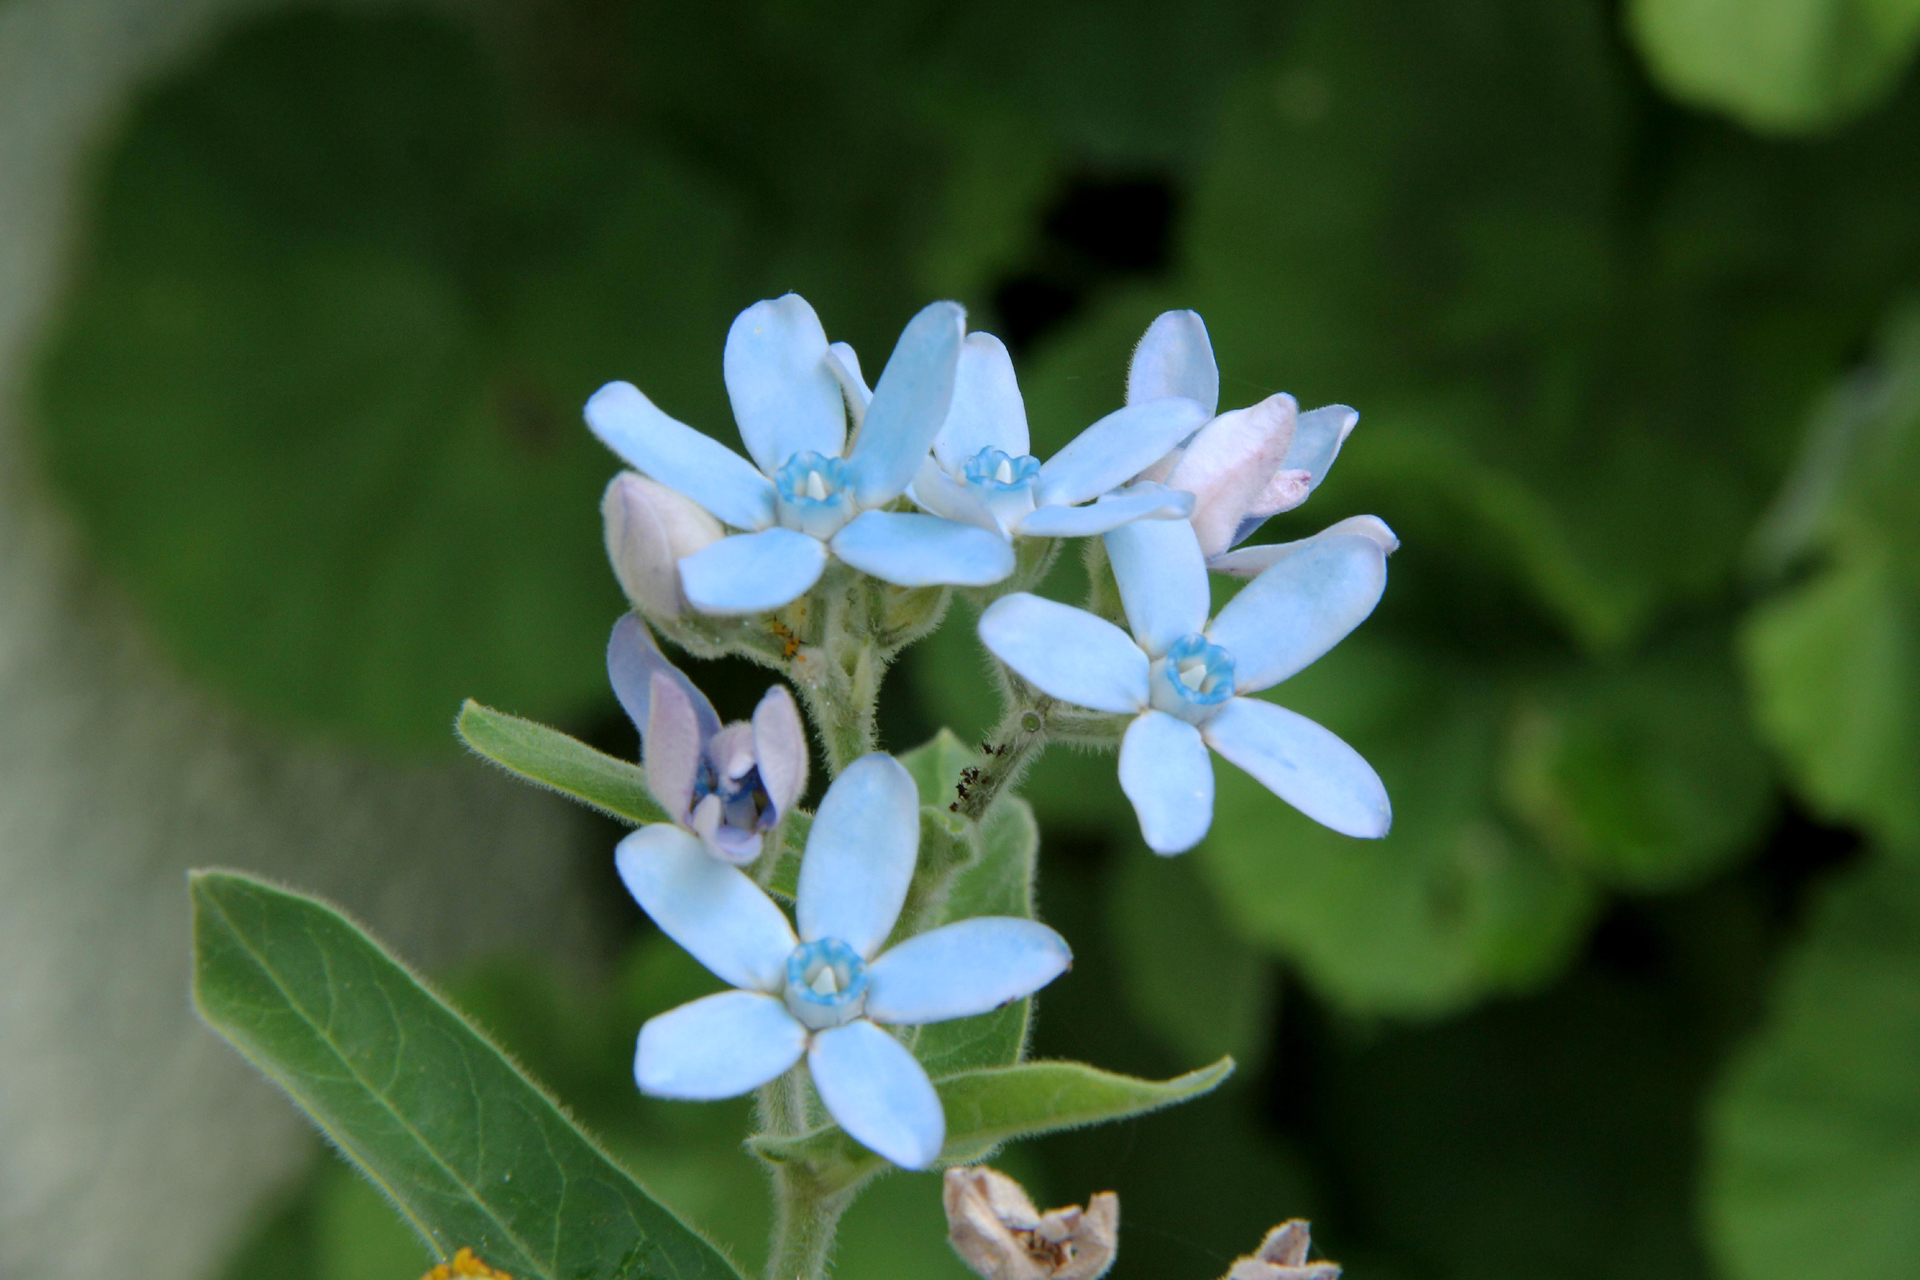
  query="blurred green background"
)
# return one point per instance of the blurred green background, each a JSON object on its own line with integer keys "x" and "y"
{"x": 1626, "y": 298}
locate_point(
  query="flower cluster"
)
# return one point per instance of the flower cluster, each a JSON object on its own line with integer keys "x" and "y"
{"x": 925, "y": 480}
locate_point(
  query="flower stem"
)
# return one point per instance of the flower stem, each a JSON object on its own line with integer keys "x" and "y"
{"x": 806, "y": 1217}
{"x": 1021, "y": 734}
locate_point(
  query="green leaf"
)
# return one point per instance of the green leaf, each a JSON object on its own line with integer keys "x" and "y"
{"x": 999, "y": 882}
{"x": 936, "y": 765}
{"x": 559, "y": 762}
{"x": 1646, "y": 773}
{"x": 470, "y": 1151}
{"x": 1778, "y": 66}
{"x": 1454, "y": 904}
{"x": 1833, "y": 657}
{"x": 1814, "y": 1131}
{"x": 995, "y": 1105}
{"x": 1185, "y": 974}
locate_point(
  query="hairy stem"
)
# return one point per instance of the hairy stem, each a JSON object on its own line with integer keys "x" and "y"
{"x": 1021, "y": 734}
{"x": 806, "y": 1217}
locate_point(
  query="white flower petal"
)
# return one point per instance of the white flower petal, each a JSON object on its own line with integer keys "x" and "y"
{"x": 784, "y": 393}
{"x": 1317, "y": 438}
{"x": 1163, "y": 580}
{"x": 1250, "y": 562}
{"x": 913, "y": 549}
{"x": 1144, "y": 501}
{"x": 987, "y": 411}
{"x": 1165, "y": 771}
{"x": 878, "y": 1093}
{"x": 1067, "y": 652}
{"x": 1299, "y": 608}
{"x": 1175, "y": 358}
{"x": 1116, "y": 449}
{"x": 860, "y": 855}
{"x": 723, "y": 919}
{"x": 909, "y": 403}
{"x": 719, "y": 1046}
{"x": 1230, "y": 466}
{"x": 753, "y": 572}
{"x": 679, "y": 457}
{"x": 965, "y": 968}
{"x": 1304, "y": 764}
{"x": 780, "y": 749}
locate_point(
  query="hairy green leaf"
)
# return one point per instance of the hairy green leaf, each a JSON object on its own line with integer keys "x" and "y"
{"x": 565, "y": 764}
{"x": 1778, "y": 66}
{"x": 1814, "y": 1133}
{"x": 470, "y": 1151}
{"x": 995, "y": 1105}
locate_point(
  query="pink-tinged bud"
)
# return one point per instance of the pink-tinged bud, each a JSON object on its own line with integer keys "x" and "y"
{"x": 1283, "y": 1256}
{"x": 1233, "y": 468}
{"x": 650, "y": 529}
{"x": 999, "y": 1234}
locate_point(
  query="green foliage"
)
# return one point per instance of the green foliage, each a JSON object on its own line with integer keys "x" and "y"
{"x": 995, "y": 1105}
{"x": 550, "y": 758}
{"x": 468, "y": 1149}
{"x": 1779, "y": 66}
{"x": 1833, "y": 657}
{"x": 1814, "y": 1133}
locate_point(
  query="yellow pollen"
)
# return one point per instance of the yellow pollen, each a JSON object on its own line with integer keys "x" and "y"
{"x": 464, "y": 1266}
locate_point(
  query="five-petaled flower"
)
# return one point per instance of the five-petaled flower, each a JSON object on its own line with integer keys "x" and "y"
{"x": 1180, "y": 676}
{"x": 729, "y": 784}
{"x": 827, "y": 990}
{"x": 981, "y": 473}
{"x": 809, "y": 491}
{"x": 1244, "y": 465}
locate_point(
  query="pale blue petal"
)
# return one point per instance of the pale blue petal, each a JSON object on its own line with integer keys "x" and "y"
{"x": 724, "y": 920}
{"x": 1165, "y": 771}
{"x": 780, "y": 750}
{"x": 965, "y": 968}
{"x": 872, "y": 1085}
{"x": 860, "y": 855}
{"x": 671, "y": 747}
{"x": 1117, "y": 448}
{"x": 752, "y": 572}
{"x": 720, "y": 1046}
{"x": 1175, "y": 358}
{"x": 1303, "y": 764}
{"x": 848, "y": 372}
{"x": 1163, "y": 580}
{"x": 784, "y": 394}
{"x": 679, "y": 457}
{"x": 1300, "y": 608}
{"x": 910, "y": 549}
{"x": 1250, "y": 562}
{"x": 632, "y": 659}
{"x": 1317, "y": 437}
{"x": 1067, "y": 652}
{"x": 909, "y": 404}
{"x": 987, "y": 411}
{"x": 939, "y": 493}
{"x": 1143, "y": 501}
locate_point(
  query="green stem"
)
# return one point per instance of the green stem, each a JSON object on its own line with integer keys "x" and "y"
{"x": 1021, "y": 734}
{"x": 806, "y": 1217}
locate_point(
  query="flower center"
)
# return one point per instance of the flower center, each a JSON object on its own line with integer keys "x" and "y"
{"x": 1192, "y": 679}
{"x": 826, "y": 984}
{"x": 1004, "y": 484}
{"x": 813, "y": 494}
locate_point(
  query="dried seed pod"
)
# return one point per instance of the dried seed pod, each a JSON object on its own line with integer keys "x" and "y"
{"x": 996, "y": 1230}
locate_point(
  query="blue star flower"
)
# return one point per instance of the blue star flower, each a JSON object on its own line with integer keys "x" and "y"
{"x": 807, "y": 493}
{"x": 981, "y": 473}
{"x": 827, "y": 990}
{"x": 1181, "y": 677}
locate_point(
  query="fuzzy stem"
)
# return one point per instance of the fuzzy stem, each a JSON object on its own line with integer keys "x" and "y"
{"x": 1021, "y": 734}
{"x": 806, "y": 1217}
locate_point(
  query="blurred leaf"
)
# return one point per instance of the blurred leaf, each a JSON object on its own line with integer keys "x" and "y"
{"x": 1184, "y": 973}
{"x": 1833, "y": 657}
{"x": 1814, "y": 1135}
{"x": 1778, "y": 66}
{"x": 1453, "y": 904}
{"x": 936, "y": 765}
{"x": 999, "y": 882}
{"x": 357, "y": 1235}
{"x": 989, "y": 1107}
{"x": 1645, "y": 773}
{"x": 471, "y": 1152}
{"x": 316, "y": 396}
{"x": 552, "y": 759}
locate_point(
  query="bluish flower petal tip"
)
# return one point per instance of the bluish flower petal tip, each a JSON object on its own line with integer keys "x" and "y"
{"x": 822, "y": 990}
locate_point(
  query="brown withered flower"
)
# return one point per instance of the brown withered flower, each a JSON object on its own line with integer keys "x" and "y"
{"x": 1283, "y": 1256}
{"x": 997, "y": 1231}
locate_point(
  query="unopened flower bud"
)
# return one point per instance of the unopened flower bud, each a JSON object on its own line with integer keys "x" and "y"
{"x": 1283, "y": 1256}
{"x": 649, "y": 529}
{"x": 1001, "y": 1236}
